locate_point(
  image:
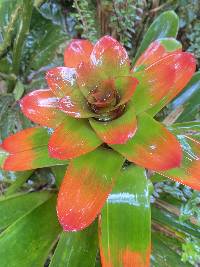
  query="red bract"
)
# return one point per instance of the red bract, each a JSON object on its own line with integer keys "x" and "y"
{"x": 97, "y": 99}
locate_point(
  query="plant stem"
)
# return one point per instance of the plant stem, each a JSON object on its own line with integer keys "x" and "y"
{"x": 21, "y": 35}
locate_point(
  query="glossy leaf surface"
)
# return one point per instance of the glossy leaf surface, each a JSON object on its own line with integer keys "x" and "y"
{"x": 152, "y": 146}
{"x": 29, "y": 240}
{"x": 76, "y": 52}
{"x": 155, "y": 89}
{"x": 61, "y": 80}
{"x": 110, "y": 57}
{"x": 72, "y": 139}
{"x": 157, "y": 50}
{"x": 41, "y": 106}
{"x": 166, "y": 25}
{"x": 14, "y": 207}
{"x": 28, "y": 150}
{"x": 125, "y": 223}
{"x": 117, "y": 131}
{"x": 189, "y": 100}
{"x": 76, "y": 248}
{"x": 189, "y": 171}
{"x": 108, "y": 60}
{"x": 168, "y": 219}
{"x": 86, "y": 186}
{"x": 125, "y": 87}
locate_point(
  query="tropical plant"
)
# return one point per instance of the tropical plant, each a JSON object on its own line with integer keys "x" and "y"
{"x": 100, "y": 135}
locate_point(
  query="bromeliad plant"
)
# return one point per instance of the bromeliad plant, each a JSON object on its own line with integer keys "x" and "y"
{"x": 98, "y": 116}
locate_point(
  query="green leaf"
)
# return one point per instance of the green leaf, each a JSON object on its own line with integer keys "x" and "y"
{"x": 29, "y": 240}
{"x": 165, "y": 252}
{"x": 125, "y": 221}
{"x": 21, "y": 178}
{"x": 27, "y": 7}
{"x": 172, "y": 221}
{"x": 166, "y": 25}
{"x": 188, "y": 128}
{"x": 9, "y": 32}
{"x": 7, "y": 9}
{"x": 76, "y": 249}
{"x": 189, "y": 100}
{"x": 59, "y": 173}
{"x": 14, "y": 207}
{"x": 42, "y": 42}
{"x": 87, "y": 183}
{"x": 18, "y": 90}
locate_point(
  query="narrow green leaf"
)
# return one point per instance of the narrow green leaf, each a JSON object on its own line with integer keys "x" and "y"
{"x": 186, "y": 128}
{"x": 76, "y": 249}
{"x": 14, "y": 207}
{"x": 21, "y": 178}
{"x": 18, "y": 90}
{"x": 165, "y": 252}
{"x": 10, "y": 29}
{"x": 7, "y": 10}
{"x": 21, "y": 35}
{"x": 29, "y": 240}
{"x": 166, "y": 218}
{"x": 166, "y": 25}
{"x": 189, "y": 100}
{"x": 125, "y": 223}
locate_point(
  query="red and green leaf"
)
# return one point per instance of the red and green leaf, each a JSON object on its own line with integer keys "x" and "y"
{"x": 110, "y": 57}
{"x": 28, "y": 150}
{"x": 41, "y": 106}
{"x": 127, "y": 207}
{"x": 117, "y": 131}
{"x": 156, "y": 51}
{"x": 152, "y": 147}
{"x": 165, "y": 25}
{"x": 62, "y": 81}
{"x": 189, "y": 171}
{"x": 125, "y": 87}
{"x": 72, "y": 139}
{"x": 76, "y": 52}
{"x": 75, "y": 106}
{"x": 160, "y": 82}
{"x": 108, "y": 60}
{"x": 85, "y": 188}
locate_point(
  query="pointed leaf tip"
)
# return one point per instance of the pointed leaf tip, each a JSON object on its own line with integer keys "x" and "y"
{"x": 152, "y": 147}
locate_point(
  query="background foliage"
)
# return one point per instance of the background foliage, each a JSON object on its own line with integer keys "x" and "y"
{"x": 33, "y": 35}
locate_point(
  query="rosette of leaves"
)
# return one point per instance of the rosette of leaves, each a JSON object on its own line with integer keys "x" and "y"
{"x": 98, "y": 115}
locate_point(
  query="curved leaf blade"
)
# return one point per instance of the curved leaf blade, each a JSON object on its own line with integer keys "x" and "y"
{"x": 189, "y": 171}
{"x": 166, "y": 25}
{"x": 14, "y": 207}
{"x": 29, "y": 240}
{"x": 86, "y": 186}
{"x": 160, "y": 150}
{"x": 127, "y": 207}
{"x": 76, "y": 248}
